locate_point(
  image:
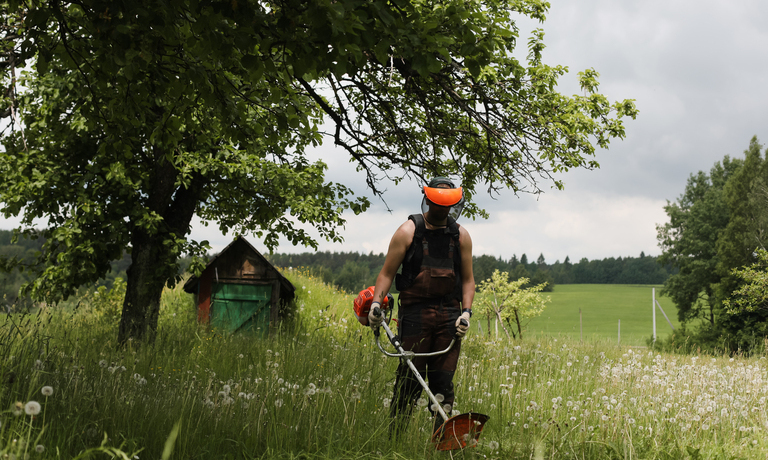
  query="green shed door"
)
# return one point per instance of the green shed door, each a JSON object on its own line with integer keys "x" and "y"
{"x": 241, "y": 307}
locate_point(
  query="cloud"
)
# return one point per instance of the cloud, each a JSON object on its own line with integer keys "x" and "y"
{"x": 576, "y": 225}
{"x": 697, "y": 72}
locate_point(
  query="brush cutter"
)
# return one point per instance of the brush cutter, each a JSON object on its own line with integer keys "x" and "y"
{"x": 456, "y": 432}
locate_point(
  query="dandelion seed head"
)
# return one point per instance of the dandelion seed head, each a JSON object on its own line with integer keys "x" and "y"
{"x": 47, "y": 391}
{"x": 32, "y": 408}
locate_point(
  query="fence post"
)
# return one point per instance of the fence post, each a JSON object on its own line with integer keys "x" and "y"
{"x": 653, "y": 308}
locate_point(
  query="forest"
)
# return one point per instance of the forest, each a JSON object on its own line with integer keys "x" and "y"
{"x": 352, "y": 271}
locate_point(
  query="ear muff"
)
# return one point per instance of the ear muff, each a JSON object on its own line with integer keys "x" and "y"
{"x": 444, "y": 196}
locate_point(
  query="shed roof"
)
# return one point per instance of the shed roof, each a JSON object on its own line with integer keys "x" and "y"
{"x": 191, "y": 285}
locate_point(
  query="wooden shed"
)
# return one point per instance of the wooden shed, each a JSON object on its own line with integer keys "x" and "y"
{"x": 239, "y": 290}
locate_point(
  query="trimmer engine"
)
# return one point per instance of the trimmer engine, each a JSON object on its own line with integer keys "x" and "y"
{"x": 362, "y": 304}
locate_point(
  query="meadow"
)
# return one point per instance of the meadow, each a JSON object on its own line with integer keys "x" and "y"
{"x": 319, "y": 389}
{"x": 602, "y": 306}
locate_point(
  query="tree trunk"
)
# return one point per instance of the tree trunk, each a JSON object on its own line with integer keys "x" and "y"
{"x": 147, "y": 276}
{"x": 711, "y": 304}
{"x": 498, "y": 316}
{"x": 154, "y": 254}
{"x": 513, "y": 332}
{"x": 517, "y": 320}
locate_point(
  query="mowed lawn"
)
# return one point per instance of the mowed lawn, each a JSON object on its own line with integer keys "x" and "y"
{"x": 602, "y": 306}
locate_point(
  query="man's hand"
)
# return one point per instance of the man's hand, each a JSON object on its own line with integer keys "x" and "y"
{"x": 462, "y": 324}
{"x": 373, "y": 320}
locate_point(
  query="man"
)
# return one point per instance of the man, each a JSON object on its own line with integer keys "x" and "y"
{"x": 436, "y": 291}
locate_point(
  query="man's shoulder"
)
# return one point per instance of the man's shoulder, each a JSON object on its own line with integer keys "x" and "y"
{"x": 463, "y": 234}
{"x": 406, "y": 229}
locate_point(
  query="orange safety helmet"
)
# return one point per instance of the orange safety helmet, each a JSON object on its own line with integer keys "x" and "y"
{"x": 443, "y": 196}
{"x": 449, "y": 197}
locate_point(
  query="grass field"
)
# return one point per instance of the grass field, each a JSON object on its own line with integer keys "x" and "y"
{"x": 602, "y": 306}
{"x": 320, "y": 390}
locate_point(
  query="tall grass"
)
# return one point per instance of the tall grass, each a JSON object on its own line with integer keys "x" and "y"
{"x": 320, "y": 389}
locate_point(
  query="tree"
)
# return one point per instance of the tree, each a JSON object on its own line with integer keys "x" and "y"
{"x": 714, "y": 237}
{"x": 507, "y": 300}
{"x": 753, "y": 294}
{"x": 140, "y": 115}
{"x": 741, "y": 236}
{"x": 689, "y": 241}
{"x": 353, "y": 277}
{"x": 484, "y": 266}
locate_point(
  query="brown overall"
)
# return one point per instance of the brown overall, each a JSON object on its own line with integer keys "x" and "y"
{"x": 429, "y": 307}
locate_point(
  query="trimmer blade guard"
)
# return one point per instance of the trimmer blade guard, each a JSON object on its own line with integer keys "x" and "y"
{"x": 459, "y": 432}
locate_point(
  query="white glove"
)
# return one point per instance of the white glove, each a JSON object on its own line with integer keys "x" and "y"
{"x": 462, "y": 327}
{"x": 373, "y": 320}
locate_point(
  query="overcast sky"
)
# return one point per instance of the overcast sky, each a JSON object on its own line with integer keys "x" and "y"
{"x": 698, "y": 71}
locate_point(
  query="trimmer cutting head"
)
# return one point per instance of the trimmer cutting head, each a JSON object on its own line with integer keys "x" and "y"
{"x": 459, "y": 432}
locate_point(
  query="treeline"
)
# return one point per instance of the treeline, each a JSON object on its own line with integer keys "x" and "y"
{"x": 24, "y": 252}
{"x": 19, "y": 263}
{"x": 353, "y": 271}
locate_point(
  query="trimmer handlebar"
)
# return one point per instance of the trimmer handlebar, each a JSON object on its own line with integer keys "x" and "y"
{"x": 396, "y": 343}
{"x": 377, "y": 313}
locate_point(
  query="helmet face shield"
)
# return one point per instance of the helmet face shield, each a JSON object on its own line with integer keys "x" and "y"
{"x": 446, "y": 197}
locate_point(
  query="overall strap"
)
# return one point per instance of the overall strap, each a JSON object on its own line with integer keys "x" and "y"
{"x": 418, "y": 234}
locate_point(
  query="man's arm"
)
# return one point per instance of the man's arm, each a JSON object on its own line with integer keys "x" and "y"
{"x": 398, "y": 246}
{"x": 467, "y": 276}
